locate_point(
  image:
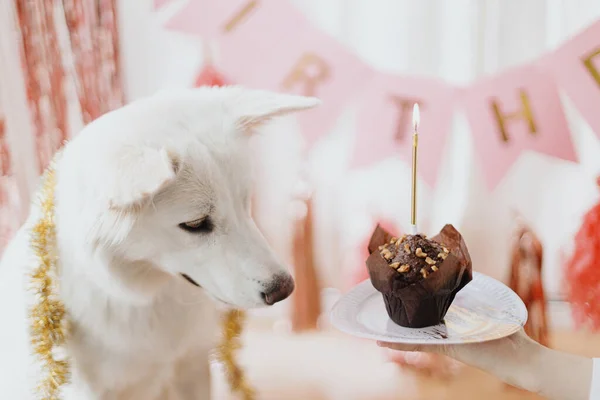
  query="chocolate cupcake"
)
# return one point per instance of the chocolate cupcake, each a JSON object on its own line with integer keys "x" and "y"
{"x": 418, "y": 277}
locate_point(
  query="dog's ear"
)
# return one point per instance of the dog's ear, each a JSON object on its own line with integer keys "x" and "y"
{"x": 256, "y": 107}
{"x": 138, "y": 173}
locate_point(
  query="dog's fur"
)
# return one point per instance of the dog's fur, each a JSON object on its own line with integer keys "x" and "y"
{"x": 139, "y": 330}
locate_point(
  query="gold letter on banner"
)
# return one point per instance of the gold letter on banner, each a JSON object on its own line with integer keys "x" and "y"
{"x": 524, "y": 113}
{"x": 404, "y": 105}
{"x": 239, "y": 16}
{"x": 310, "y": 70}
{"x": 589, "y": 64}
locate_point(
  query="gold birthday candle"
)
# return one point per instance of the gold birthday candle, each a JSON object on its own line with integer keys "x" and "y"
{"x": 413, "y": 206}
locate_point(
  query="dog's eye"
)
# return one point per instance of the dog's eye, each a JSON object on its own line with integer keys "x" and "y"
{"x": 203, "y": 225}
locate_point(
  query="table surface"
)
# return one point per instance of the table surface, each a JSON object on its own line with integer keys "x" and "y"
{"x": 331, "y": 366}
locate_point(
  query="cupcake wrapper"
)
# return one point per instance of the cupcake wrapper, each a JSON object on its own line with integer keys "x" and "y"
{"x": 426, "y": 302}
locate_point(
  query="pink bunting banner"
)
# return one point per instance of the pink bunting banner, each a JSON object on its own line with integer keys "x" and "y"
{"x": 309, "y": 62}
{"x": 509, "y": 113}
{"x": 385, "y": 121}
{"x": 576, "y": 68}
{"x": 515, "y": 111}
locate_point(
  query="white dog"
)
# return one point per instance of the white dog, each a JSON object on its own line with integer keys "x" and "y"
{"x": 153, "y": 234}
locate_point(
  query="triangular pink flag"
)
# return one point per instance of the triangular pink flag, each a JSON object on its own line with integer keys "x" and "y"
{"x": 385, "y": 122}
{"x": 312, "y": 63}
{"x": 576, "y": 67}
{"x": 512, "y": 112}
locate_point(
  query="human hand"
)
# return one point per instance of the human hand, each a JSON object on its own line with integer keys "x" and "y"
{"x": 521, "y": 362}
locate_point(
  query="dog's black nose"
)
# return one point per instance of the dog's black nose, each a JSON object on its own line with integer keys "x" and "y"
{"x": 279, "y": 289}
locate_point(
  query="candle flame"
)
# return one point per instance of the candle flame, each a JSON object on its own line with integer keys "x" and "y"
{"x": 416, "y": 117}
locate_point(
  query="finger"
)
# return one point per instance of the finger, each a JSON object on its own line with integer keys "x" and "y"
{"x": 440, "y": 349}
{"x": 400, "y": 346}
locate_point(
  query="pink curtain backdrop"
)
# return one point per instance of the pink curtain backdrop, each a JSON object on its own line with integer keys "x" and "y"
{"x": 5, "y": 166}
{"x": 7, "y": 189}
{"x": 69, "y": 64}
{"x": 92, "y": 36}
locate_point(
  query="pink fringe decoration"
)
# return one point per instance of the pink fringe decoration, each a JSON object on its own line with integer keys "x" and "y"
{"x": 44, "y": 75}
{"x": 7, "y": 213}
{"x": 63, "y": 44}
{"x": 582, "y": 272}
{"x": 93, "y": 38}
{"x": 94, "y": 41}
{"x": 5, "y": 162}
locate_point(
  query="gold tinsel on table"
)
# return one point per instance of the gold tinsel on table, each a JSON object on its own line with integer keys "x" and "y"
{"x": 48, "y": 316}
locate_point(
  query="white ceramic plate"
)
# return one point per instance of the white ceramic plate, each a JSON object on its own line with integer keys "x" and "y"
{"x": 483, "y": 310}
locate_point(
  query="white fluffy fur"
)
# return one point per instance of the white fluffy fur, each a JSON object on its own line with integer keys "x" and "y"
{"x": 139, "y": 330}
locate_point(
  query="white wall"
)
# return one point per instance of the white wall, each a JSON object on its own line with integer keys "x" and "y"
{"x": 458, "y": 40}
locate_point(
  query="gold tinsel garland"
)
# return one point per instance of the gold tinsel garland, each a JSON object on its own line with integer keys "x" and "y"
{"x": 48, "y": 316}
{"x": 233, "y": 325}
